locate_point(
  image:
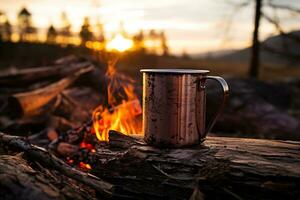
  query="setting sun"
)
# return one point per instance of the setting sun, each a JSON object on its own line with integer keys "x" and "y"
{"x": 119, "y": 43}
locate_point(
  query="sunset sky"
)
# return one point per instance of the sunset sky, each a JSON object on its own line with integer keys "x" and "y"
{"x": 194, "y": 25}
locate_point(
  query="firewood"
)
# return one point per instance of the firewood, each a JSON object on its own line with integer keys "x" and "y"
{"x": 33, "y": 100}
{"x": 22, "y": 180}
{"x": 23, "y": 77}
{"x": 117, "y": 140}
{"x": 48, "y": 160}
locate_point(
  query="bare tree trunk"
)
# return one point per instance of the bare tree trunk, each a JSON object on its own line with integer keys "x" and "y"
{"x": 254, "y": 62}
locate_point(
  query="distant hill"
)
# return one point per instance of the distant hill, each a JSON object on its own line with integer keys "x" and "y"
{"x": 213, "y": 54}
{"x": 279, "y": 50}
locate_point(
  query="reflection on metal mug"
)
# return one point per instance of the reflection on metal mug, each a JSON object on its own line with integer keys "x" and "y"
{"x": 174, "y": 106}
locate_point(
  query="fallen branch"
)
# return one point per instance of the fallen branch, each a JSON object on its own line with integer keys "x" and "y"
{"x": 22, "y": 77}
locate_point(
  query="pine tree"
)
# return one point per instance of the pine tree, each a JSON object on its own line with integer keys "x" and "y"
{"x": 138, "y": 40}
{"x": 86, "y": 33}
{"x": 7, "y": 31}
{"x": 26, "y": 30}
{"x": 51, "y": 35}
{"x": 164, "y": 46}
{"x": 65, "y": 31}
{"x": 100, "y": 36}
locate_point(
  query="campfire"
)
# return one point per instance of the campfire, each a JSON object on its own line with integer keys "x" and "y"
{"x": 121, "y": 112}
{"x": 123, "y": 109}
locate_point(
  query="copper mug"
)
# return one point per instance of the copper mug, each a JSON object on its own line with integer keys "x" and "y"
{"x": 174, "y": 103}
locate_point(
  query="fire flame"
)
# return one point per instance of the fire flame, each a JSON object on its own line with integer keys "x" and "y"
{"x": 123, "y": 110}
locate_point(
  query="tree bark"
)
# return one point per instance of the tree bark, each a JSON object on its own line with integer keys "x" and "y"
{"x": 22, "y": 180}
{"x": 220, "y": 168}
{"x": 48, "y": 160}
{"x": 254, "y": 62}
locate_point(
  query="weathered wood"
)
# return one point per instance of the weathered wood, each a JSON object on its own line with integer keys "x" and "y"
{"x": 48, "y": 160}
{"x": 33, "y": 100}
{"x": 20, "y": 179}
{"x": 220, "y": 168}
{"x": 23, "y": 77}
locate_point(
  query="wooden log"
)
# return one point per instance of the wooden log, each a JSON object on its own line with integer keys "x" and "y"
{"x": 23, "y": 77}
{"x": 48, "y": 160}
{"x": 33, "y": 100}
{"x": 220, "y": 168}
{"x": 20, "y": 179}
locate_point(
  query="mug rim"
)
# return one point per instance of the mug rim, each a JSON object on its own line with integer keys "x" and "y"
{"x": 175, "y": 71}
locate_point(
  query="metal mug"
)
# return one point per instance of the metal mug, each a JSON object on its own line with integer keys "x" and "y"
{"x": 174, "y": 103}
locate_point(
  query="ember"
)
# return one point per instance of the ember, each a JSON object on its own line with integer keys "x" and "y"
{"x": 85, "y": 165}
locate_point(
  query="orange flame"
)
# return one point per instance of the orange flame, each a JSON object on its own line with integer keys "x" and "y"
{"x": 123, "y": 110}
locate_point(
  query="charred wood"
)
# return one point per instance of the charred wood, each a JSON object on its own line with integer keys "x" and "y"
{"x": 48, "y": 160}
{"x": 20, "y": 179}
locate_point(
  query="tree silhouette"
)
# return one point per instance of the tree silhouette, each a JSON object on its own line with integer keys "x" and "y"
{"x": 254, "y": 60}
{"x": 154, "y": 43}
{"x": 7, "y": 31}
{"x": 122, "y": 30}
{"x": 287, "y": 39}
{"x": 254, "y": 66}
{"x": 138, "y": 40}
{"x": 5, "y": 28}
{"x": 51, "y": 35}
{"x": 65, "y": 31}
{"x": 26, "y": 31}
{"x": 86, "y": 33}
{"x": 164, "y": 46}
{"x": 157, "y": 43}
{"x": 100, "y": 35}
{"x": 185, "y": 55}
{"x": 2, "y": 21}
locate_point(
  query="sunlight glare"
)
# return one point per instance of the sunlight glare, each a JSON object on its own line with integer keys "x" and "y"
{"x": 119, "y": 43}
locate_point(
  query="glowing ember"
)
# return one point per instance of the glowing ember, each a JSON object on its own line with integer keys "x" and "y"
{"x": 85, "y": 165}
{"x": 123, "y": 110}
{"x": 87, "y": 146}
{"x": 70, "y": 161}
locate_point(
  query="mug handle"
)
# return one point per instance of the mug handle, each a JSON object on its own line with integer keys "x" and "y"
{"x": 225, "y": 89}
